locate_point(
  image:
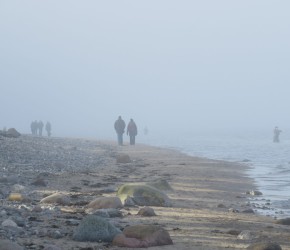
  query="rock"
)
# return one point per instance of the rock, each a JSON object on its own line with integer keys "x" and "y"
{"x": 9, "y": 223}
{"x": 285, "y": 221}
{"x": 264, "y": 246}
{"x": 221, "y": 205}
{"x": 105, "y": 202}
{"x": 9, "y": 245}
{"x": 12, "y": 132}
{"x": 56, "y": 198}
{"x": 146, "y": 211}
{"x": 94, "y": 228}
{"x": 143, "y": 195}
{"x": 151, "y": 234}
{"x": 15, "y": 197}
{"x": 162, "y": 185}
{"x": 254, "y": 192}
{"x": 123, "y": 158}
{"x": 245, "y": 235}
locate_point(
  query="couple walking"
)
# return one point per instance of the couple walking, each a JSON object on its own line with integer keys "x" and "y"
{"x": 120, "y": 129}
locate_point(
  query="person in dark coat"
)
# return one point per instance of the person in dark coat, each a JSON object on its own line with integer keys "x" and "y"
{"x": 120, "y": 129}
{"x": 40, "y": 127}
{"x": 48, "y": 128}
{"x": 132, "y": 131}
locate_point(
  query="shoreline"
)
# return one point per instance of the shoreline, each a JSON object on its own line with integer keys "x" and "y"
{"x": 209, "y": 209}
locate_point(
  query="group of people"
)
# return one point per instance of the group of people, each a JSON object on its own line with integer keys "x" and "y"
{"x": 37, "y": 128}
{"x": 120, "y": 126}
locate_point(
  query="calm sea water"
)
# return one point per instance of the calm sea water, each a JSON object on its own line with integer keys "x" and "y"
{"x": 270, "y": 162}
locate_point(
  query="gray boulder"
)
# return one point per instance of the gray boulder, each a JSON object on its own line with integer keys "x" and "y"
{"x": 9, "y": 245}
{"x": 143, "y": 195}
{"x": 94, "y": 228}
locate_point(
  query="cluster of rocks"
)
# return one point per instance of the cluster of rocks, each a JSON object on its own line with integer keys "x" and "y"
{"x": 31, "y": 217}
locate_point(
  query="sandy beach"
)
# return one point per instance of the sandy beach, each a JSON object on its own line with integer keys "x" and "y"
{"x": 210, "y": 208}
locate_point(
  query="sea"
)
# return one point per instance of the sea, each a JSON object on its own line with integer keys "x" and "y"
{"x": 269, "y": 162}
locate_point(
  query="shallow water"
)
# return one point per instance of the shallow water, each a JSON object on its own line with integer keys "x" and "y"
{"x": 270, "y": 162}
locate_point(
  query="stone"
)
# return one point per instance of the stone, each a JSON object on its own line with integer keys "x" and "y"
{"x": 143, "y": 195}
{"x": 149, "y": 235}
{"x": 105, "y": 202}
{"x": 264, "y": 246}
{"x": 94, "y": 228}
{"x": 56, "y": 198}
{"x": 9, "y": 245}
{"x": 9, "y": 223}
{"x": 12, "y": 132}
{"x": 146, "y": 211}
{"x": 123, "y": 158}
{"x": 285, "y": 221}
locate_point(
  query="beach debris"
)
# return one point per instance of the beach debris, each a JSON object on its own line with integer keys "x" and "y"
{"x": 285, "y": 221}
{"x": 143, "y": 195}
{"x": 123, "y": 158}
{"x": 56, "y": 198}
{"x": 9, "y": 245}
{"x": 94, "y": 228}
{"x": 146, "y": 212}
{"x": 105, "y": 202}
{"x": 254, "y": 192}
{"x": 143, "y": 236}
{"x": 264, "y": 246}
{"x": 233, "y": 210}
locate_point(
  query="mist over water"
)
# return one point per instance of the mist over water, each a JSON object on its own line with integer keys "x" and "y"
{"x": 269, "y": 162}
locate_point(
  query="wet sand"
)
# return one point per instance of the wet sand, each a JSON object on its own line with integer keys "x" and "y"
{"x": 210, "y": 205}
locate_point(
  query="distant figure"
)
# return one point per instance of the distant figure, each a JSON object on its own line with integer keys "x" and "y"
{"x": 34, "y": 127}
{"x": 48, "y": 128}
{"x": 120, "y": 129}
{"x": 132, "y": 131}
{"x": 277, "y": 132}
{"x": 40, "y": 127}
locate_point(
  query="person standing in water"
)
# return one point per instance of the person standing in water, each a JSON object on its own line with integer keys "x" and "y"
{"x": 277, "y": 132}
{"x": 120, "y": 129}
{"x": 132, "y": 131}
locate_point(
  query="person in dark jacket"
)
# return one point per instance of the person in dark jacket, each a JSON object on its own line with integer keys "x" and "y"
{"x": 120, "y": 129}
{"x": 132, "y": 131}
{"x": 48, "y": 129}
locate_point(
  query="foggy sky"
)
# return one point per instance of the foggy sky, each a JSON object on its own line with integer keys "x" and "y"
{"x": 172, "y": 65}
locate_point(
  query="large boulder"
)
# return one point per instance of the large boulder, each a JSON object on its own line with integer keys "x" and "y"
{"x": 94, "y": 228}
{"x": 105, "y": 202}
{"x": 285, "y": 221}
{"x": 143, "y": 236}
{"x": 143, "y": 195}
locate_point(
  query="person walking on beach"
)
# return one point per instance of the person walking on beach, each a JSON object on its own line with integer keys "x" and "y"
{"x": 132, "y": 131}
{"x": 119, "y": 126}
{"x": 48, "y": 128}
{"x": 40, "y": 127}
{"x": 277, "y": 132}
